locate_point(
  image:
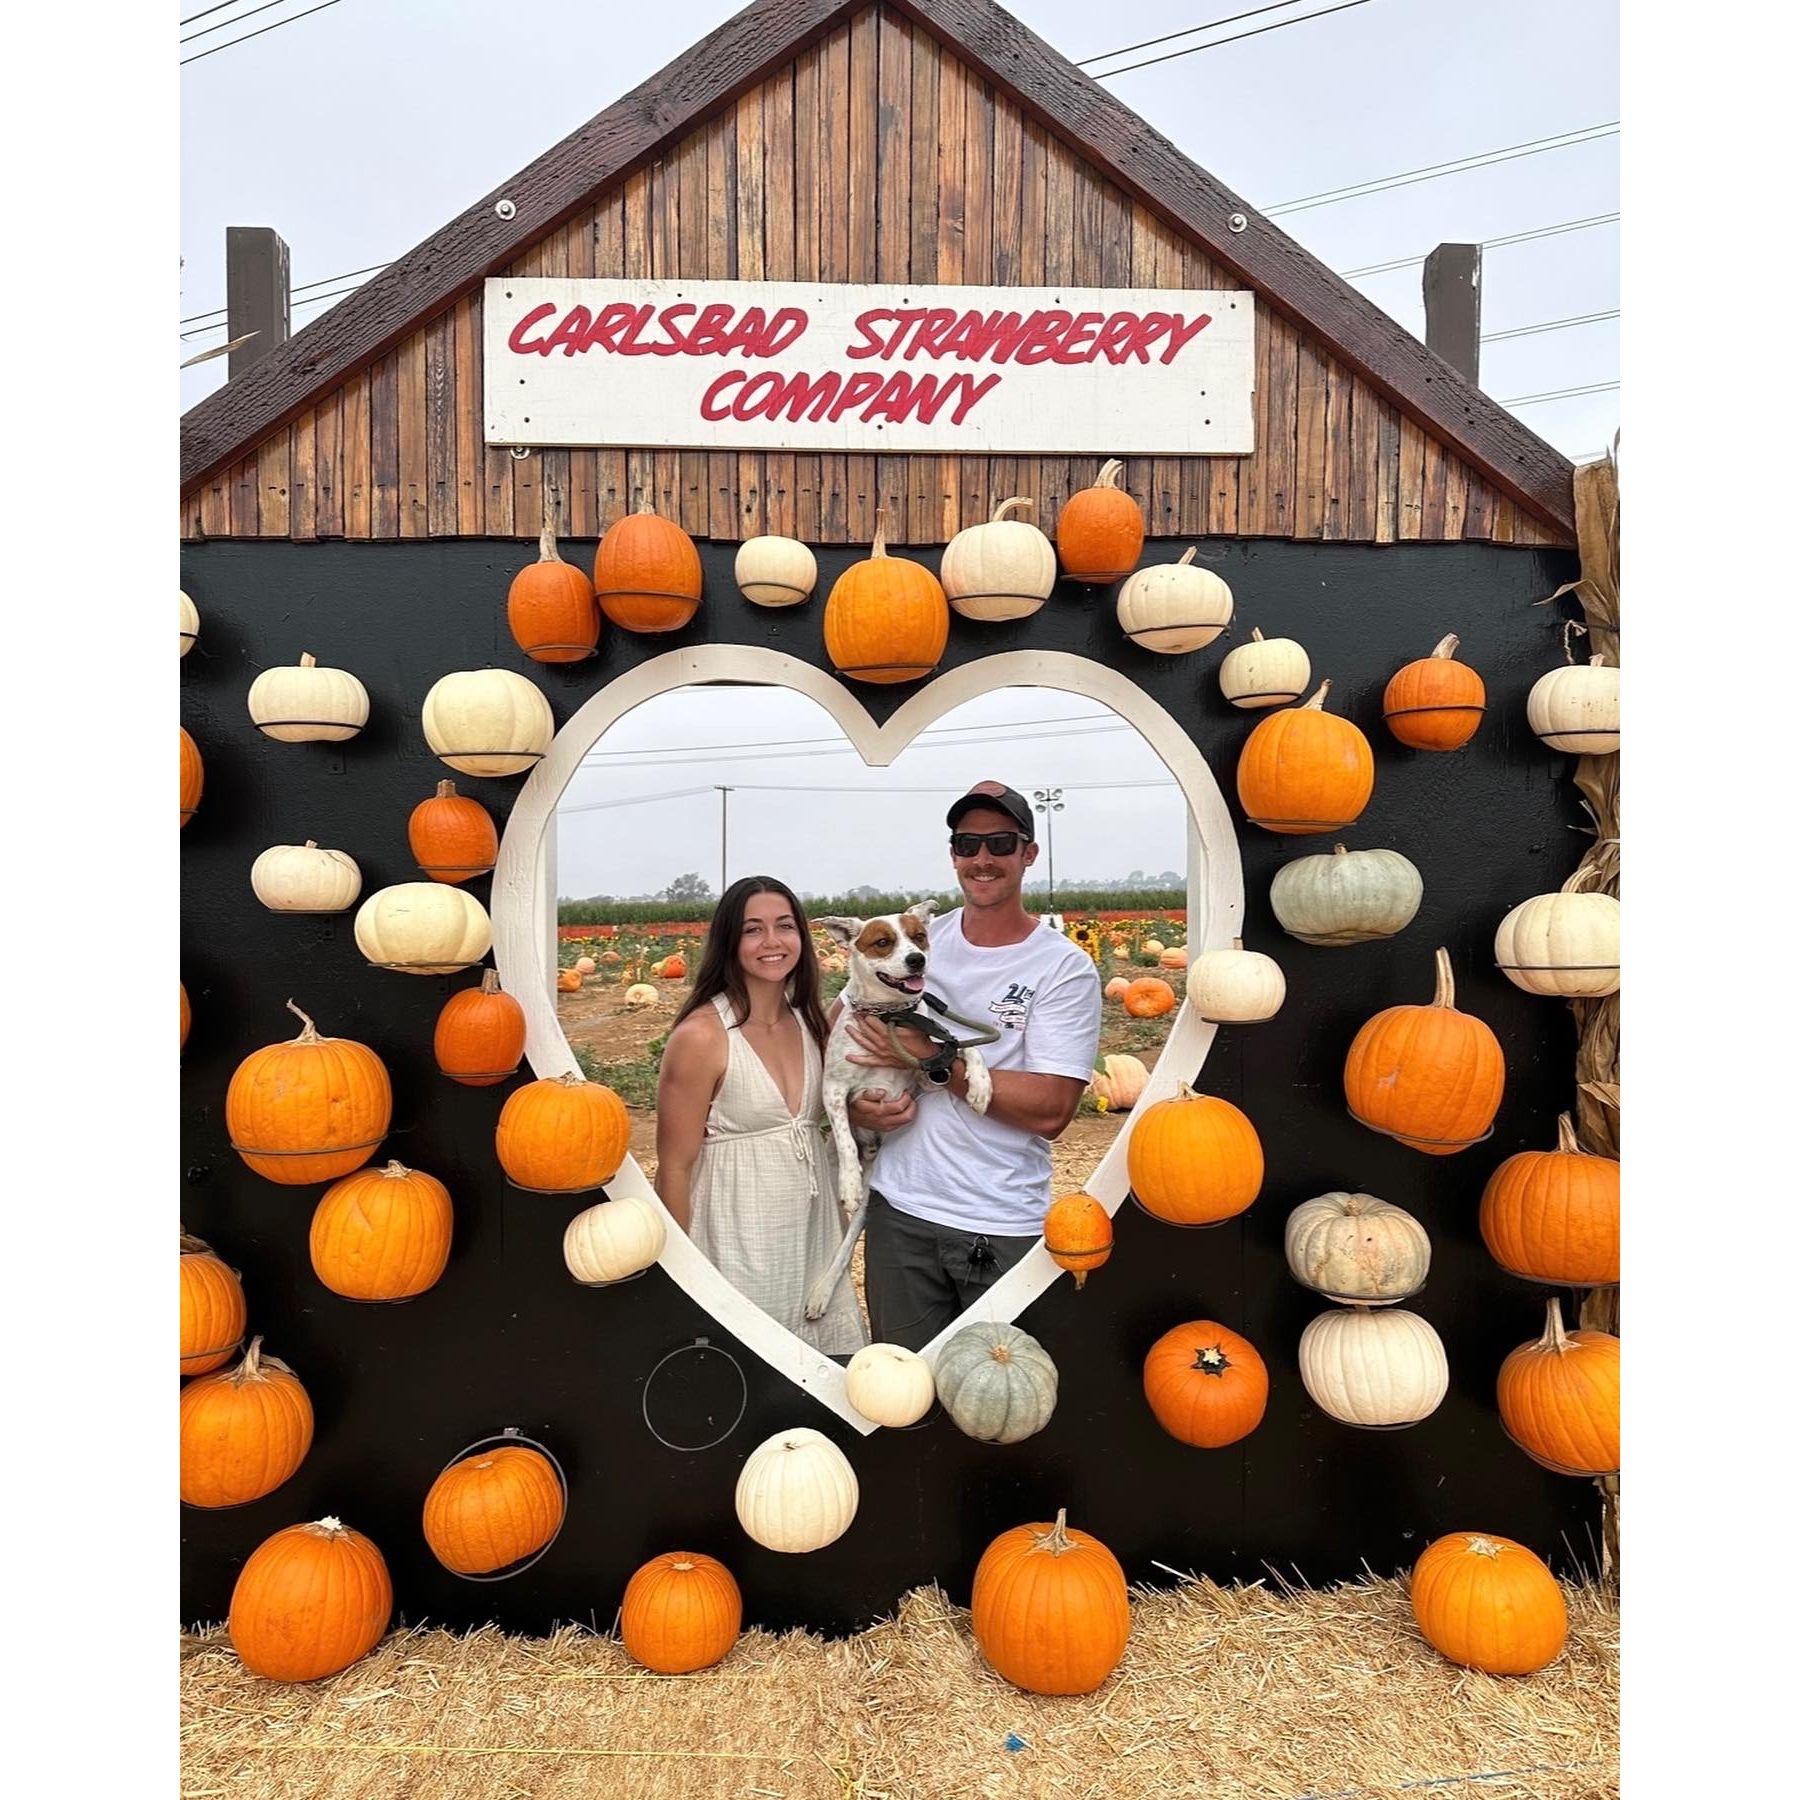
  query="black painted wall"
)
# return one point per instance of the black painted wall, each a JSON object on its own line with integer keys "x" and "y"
{"x": 507, "y": 1338}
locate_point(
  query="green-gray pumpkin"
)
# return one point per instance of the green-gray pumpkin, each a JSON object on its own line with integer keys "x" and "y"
{"x": 997, "y": 1382}
{"x": 1348, "y": 897}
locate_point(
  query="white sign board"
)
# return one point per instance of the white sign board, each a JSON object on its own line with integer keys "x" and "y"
{"x": 774, "y": 365}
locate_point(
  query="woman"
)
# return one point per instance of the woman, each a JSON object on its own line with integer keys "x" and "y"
{"x": 741, "y": 1163}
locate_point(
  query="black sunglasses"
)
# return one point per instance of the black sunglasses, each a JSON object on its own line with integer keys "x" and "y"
{"x": 970, "y": 843}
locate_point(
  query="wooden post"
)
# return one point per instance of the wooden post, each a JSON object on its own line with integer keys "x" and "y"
{"x": 256, "y": 293}
{"x": 1453, "y": 307}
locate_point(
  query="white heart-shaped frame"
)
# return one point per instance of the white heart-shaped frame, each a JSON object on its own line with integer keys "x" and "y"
{"x": 524, "y": 913}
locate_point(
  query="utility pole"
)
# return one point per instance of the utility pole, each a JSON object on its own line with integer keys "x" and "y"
{"x": 1049, "y": 802}
{"x": 1453, "y": 307}
{"x": 724, "y": 817}
{"x": 256, "y": 294}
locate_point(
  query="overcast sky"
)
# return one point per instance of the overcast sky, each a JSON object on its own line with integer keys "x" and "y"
{"x": 401, "y": 112}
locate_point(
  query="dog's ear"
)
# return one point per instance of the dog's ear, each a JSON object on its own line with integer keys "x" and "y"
{"x": 923, "y": 911}
{"x": 845, "y": 931}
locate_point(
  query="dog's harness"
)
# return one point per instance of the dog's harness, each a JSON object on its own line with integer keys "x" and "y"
{"x": 936, "y": 1067}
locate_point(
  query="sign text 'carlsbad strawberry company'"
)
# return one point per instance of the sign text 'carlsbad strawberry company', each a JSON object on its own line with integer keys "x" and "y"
{"x": 785, "y": 365}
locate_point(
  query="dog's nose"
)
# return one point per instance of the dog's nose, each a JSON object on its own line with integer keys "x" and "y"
{"x": 914, "y": 962}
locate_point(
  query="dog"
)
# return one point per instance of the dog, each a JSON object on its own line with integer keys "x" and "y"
{"x": 887, "y": 956}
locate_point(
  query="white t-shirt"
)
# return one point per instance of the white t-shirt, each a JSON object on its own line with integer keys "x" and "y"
{"x": 958, "y": 1167}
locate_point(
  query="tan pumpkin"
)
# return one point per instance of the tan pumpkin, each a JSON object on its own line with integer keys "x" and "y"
{"x": 1559, "y": 1398}
{"x": 487, "y": 722}
{"x": 613, "y": 1240}
{"x": 190, "y": 624}
{"x": 1100, "y": 531}
{"x": 641, "y": 993}
{"x": 306, "y": 704}
{"x": 1005, "y": 569}
{"x": 1049, "y": 1608}
{"x": 480, "y": 1035}
{"x": 682, "y": 1611}
{"x": 892, "y": 1385}
{"x": 423, "y": 928}
{"x": 647, "y": 573}
{"x": 1175, "y": 957}
{"x": 1118, "y": 987}
{"x": 1078, "y": 1235}
{"x": 585, "y": 966}
{"x": 1553, "y": 1215}
{"x": 1173, "y": 608}
{"x": 213, "y": 1312}
{"x": 302, "y": 878}
{"x": 452, "y": 837}
{"x": 1236, "y": 986}
{"x": 1575, "y": 709}
{"x": 1265, "y": 672}
{"x": 562, "y": 1136}
{"x": 1194, "y": 1159}
{"x": 244, "y": 1431}
{"x": 1119, "y": 1081}
{"x": 493, "y": 1509}
{"x": 1357, "y": 1249}
{"x": 193, "y": 777}
{"x": 310, "y": 1601}
{"x": 1374, "y": 1368}
{"x": 775, "y": 571}
{"x": 886, "y": 618}
{"x": 550, "y": 607}
{"x": 1565, "y": 945}
{"x": 1304, "y": 770}
{"x": 382, "y": 1234}
{"x": 796, "y": 1492}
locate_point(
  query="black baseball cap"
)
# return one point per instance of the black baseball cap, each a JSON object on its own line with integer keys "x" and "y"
{"x": 1002, "y": 798}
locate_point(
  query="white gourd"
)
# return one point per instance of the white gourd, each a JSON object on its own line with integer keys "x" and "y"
{"x": 487, "y": 722}
{"x": 190, "y": 623}
{"x": 640, "y": 993}
{"x": 1564, "y": 944}
{"x": 305, "y": 704}
{"x": 797, "y": 1492}
{"x": 302, "y": 878}
{"x": 1348, "y": 897}
{"x": 890, "y": 1384}
{"x": 423, "y": 928}
{"x": 1576, "y": 708}
{"x": 1374, "y": 1368}
{"x": 1004, "y": 569}
{"x": 1265, "y": 672}
{"x": 1357, "y": 1249}
{"x": 775, "y": 571}
{"x": 1173, "y": 608}
{"x": 614, "y": 1240}
{"x": 1236, "y": 986}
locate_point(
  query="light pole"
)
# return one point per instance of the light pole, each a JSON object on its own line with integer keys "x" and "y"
{"x": 1049, "y": 802}
{"x": 724, "y": 825}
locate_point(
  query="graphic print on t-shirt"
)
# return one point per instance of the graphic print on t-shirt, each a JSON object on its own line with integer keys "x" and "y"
{"x": 1013, "y": 1007}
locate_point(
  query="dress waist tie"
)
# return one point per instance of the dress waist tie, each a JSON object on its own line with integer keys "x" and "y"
{"x": 798, "y": 1133}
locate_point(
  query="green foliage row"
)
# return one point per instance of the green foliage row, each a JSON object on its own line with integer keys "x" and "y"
{"x": 1068, "y": 901}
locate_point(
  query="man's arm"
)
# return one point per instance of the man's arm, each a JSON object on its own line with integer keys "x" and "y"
{"x": 1040, "y": 1103}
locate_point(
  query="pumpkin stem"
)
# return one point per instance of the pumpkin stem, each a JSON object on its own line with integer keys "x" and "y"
{"x": 1256, "y": 636}
{"x": 1237, "y": 943}
{"x": 309, "y": 1032}
{"x": 1447, "y": 648}
{"x": 1482, "y": 1546}
{"x": 1339, "y": 850}
{"x": 395, "y": 1170}
{"x": 1056, "y": 1540}
{"x": 1597, "y": 660}
{"x": 1006, "y": 506}
{"x": 490, "y": 981}
{"x": 1317, "y": 702}
{"x": 446, "y": 790}
{"x": 682, "y": 1564}
{"x": 1110, "y": 470}
{"x": 1212, "y": 1360}
{"x": 250, "y": 1369}
{"x": 1554, "y": 1338}
{"x": 1081, "y": 1276}
{"x": 1566, "y": 1140}
{"x": 1187, "y": 556}
{"x": 311, "y": 844}
{"x": 1446, "y": 981}
{"x": 327, "y": 1527}
{"x": 547, "y": 536}
{"x": 309, "y": 661}
{"x": 573, "y": 1078}
{"x": 878, "y": 545}
{"x": 193, "y": 1246}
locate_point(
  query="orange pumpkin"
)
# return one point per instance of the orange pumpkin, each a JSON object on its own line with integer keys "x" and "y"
{"x": 562, "y": 1136}
{"x": 550, "y": 606}
{"x": 1553, "y": 1215}
{"x": 682, "y": 1611}
{"x": 213, "y": 1313}
{"x": 1559, "y": 1398}
{"x": 493, "y": 1509}
{"x": 480, "y": 1035}
{"x": 1488, "y": 1603}
{"x": 1304, "y": 770}
{"x": 1194, "y": 1159}
{"x": 1206, "y": 1385}
{"x": 1078, "y": 1233}
{"x": 1428, "y": 1075}
{"x": 244, "y": 1431}
{"x": 193, "y": 776}
{"x": 886, "y": 618}
{"x": 1148, "y": 997}
{"x": 1435, "y": 703}
{"x": 674, "y": 967}
{"x": 647, "y": 573}
{"x": 382, "y": 1234}
{"x": 1049, "y": 1608}
{"x": 187, "y": 1014}
{"x": 309, "y": 1602}
{"x": 1100, "y": 531}
{"x": 310, "y": 1110}
{"x": 451, "y": 836}
{"x": 568, "y": 981}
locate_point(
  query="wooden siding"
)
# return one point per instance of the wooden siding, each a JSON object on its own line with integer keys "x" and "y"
{"x": 875, "y": 155}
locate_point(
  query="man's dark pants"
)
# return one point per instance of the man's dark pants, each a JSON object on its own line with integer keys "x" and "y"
{"x": 918, "y": 1276}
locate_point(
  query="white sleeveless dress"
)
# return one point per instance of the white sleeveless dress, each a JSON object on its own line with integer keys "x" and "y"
{"x": 764, "y": 1203}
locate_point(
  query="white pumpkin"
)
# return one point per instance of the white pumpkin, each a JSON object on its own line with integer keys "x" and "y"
{"x": 1356, "y": 1248}
{"x": 585, "y": 965}
{"x": 488, "y": 722}
{"x": 797, "y": 1492}
{"x": 1348, "y": 897}
{"x": 1561, "y": 944}
{"x": 1265, "y": 672}
{"x": 1004, "y": 569}
{"x": 1236, "y": 986}
{"x": 1172, "y": 608}
{"x": 1373, "y": 1368}
{"x": 640, "y": 993}
{"x": 1576, "y": 708}
{"x": 1115, "y": 989}
{"x": 423, "y": 928}
{"x": 305, "y": 704}
{"x": 775, "y": 571}
{"x": 302, "y": 878}
{"x": 890, "y": 1384}
{"x": 614, "y": 1240}
{"x": 190, "y": 624}
{"x": 1153, "y": 946}
{"x": 1120, "y": 1081}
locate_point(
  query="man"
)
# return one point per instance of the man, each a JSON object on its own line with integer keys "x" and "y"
{"x": 957, "y": 1197}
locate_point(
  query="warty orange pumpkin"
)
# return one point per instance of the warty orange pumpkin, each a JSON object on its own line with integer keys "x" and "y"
{"x": 1049, "y": 1608}
{"x": 1078, "y": 1234}
{"x": 1489, "y": 1603}
{"x": 452, "y": 837}
{"x": 1435, "y": 703}
{"x": 1206, "y": 1385}
{"x": 213, "y": 1313}
{"x": 1304, "y": 770}
{"x": 1429, "y": 1076}
{"x": 1194, "y": 1159}
{"x": 1100, "y": 530}
{"x": 382, "y": 1234}
{"x": 493, "y": 1509}
{"x": 1148, "y": 997}
{"x": 309, "y": 1602}
{"x": 1559, "y": 1398}
{"x": 562, "y": 1135}
{"x": 480, "y": 1035}
{"x": 550, "y": 607}
{"x": 1553, "y": 1215}
{"x": 682, "y": 1611}
{"x": 244, "y": 1431}
{"x": 886, "y": 618}
{"x": 647, "y": 573}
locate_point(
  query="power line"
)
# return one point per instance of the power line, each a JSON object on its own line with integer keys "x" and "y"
{"x": 1516, "y": 237}
{"x": 261, "y": 31}
{"x": 810, "y": 788}
{"x": 1562, "y": 140}
{"x": 206, "y": 13}
{"x": 307, "y": 300}
{"x": 218, "y": 312}
{"x": 1168, "y": 37}
{"x": 1568, "y": 393}
{"x": 1236, "y": 37}
{"x": 1519, "y": 331}
{"x": 226, "y": 24}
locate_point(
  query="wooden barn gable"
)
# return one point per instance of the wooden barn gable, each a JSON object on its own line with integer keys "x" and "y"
{"x": 841, "y": 141}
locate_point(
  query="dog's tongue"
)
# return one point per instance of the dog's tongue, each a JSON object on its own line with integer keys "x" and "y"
{"x": 911, "y": 984}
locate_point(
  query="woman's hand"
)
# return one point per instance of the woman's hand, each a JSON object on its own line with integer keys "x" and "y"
{"x": 879, "y": 1052}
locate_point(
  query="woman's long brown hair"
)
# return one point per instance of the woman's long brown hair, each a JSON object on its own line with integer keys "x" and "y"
{"x": 720, "y": 972}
